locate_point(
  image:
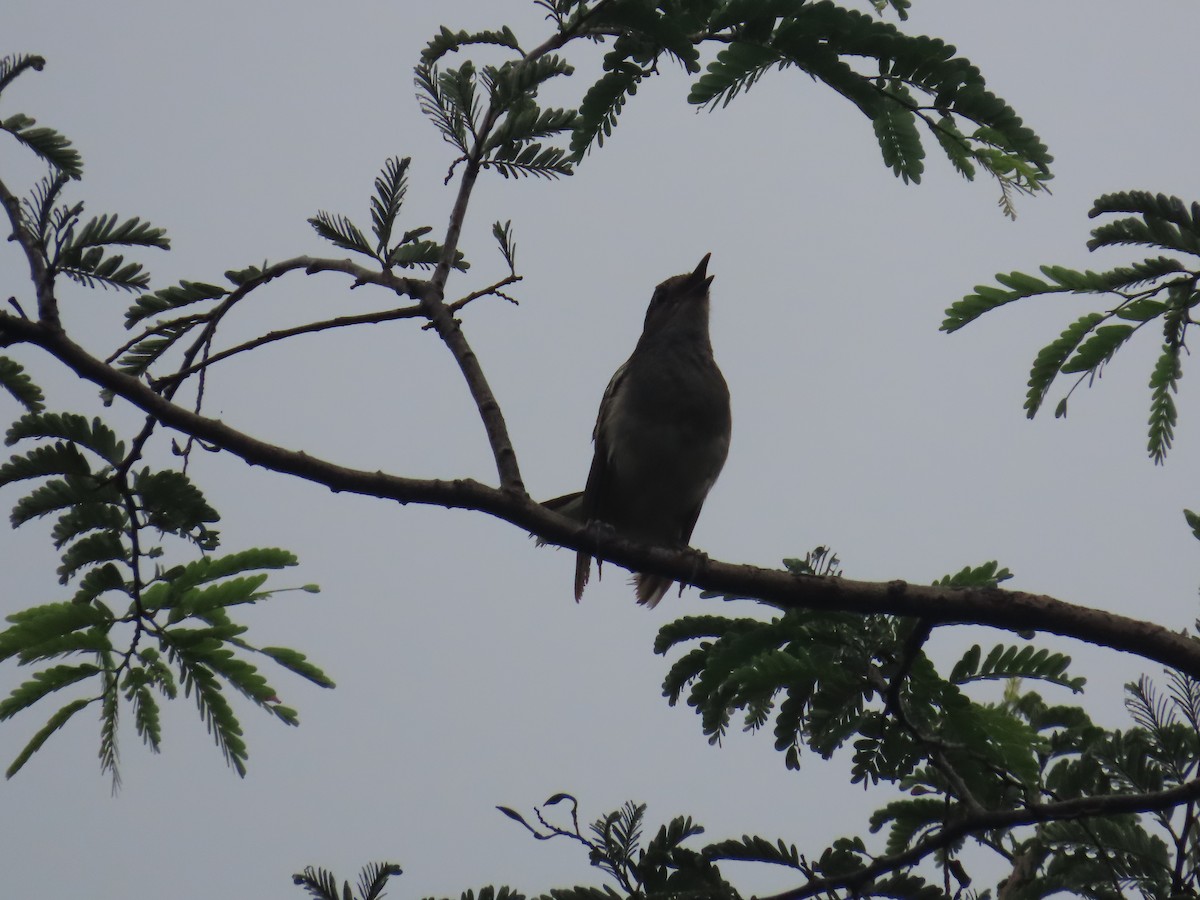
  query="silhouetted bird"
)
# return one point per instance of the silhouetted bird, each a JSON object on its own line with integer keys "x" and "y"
{"x": 662, "y": 434}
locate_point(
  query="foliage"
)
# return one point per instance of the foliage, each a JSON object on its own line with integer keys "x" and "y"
{"x": 969, "y": 752}
{"x": 1158, "y": 289}
{"x": 993, "y": 771}
{"x": 135, "y": 630}
{"x": 660, "y": 867}
{"x": 321, "y": 884}
{"x": 111, "y": 514}
{"x": 145, "y": 628}
{"x": 409, "y": 251}
{"x": 490, "y": 114}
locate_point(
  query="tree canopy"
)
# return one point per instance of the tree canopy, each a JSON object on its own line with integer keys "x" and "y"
{"x": 154, "y": 605}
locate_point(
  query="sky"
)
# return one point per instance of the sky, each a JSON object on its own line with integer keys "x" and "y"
{"x": 467, "y": 677}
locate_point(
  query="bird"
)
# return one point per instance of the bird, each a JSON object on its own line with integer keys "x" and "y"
{"x": 662, "y": 432}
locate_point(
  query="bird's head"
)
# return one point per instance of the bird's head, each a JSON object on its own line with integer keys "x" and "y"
{"x": 680, "y": 302}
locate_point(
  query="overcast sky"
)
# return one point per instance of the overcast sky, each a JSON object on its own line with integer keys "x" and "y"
{"x": 466, "y": 675}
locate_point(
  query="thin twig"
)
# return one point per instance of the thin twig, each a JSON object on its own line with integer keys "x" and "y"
{"x": 42, "y": 282}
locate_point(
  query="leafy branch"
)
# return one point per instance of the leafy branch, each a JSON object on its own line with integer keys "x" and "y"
{"x": 1158, "y": 289}
{"x": 107, "y": 518}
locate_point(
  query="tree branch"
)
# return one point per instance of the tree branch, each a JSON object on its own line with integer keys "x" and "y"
{"x": 42, "y": 282}
{"x": 372, "y": 318}
{"x": 993, "y": 606}
{"x": 442, "y": 318}
{"x": 1083, "y": 807}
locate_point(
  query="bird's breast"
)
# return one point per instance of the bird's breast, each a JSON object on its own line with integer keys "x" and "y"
{"x": 667, "y": 436}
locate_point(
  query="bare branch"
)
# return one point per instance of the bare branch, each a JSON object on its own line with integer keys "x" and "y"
{"x": 373, "y": 318}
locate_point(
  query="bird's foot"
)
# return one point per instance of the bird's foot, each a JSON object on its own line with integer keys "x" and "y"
{"x": 597, "y": 532}
{"x": 699, "y": 559}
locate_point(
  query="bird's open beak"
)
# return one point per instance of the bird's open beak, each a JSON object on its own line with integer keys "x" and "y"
{"x": 701, "y": 274}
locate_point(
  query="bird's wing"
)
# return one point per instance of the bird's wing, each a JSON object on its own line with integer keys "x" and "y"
{"x": 598, "y": 474}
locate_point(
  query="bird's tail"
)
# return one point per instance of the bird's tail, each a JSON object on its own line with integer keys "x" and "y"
{"x": 651, "y": 588}
{"x": 583, "y": 570}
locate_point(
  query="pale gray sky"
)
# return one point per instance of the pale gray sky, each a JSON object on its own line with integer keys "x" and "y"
{"x": 467, "y": 676}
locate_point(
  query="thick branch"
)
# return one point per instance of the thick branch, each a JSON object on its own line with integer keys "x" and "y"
{"x": 996, "y": 607}
{"x": 1081, "y": 808}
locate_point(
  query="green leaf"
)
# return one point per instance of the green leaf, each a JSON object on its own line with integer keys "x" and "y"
{"x": 526, "y": 122}
{"x": 602, "y": 104}
{"x": 57, "y": 721}
{"x": 47, "y": 143}
{"x": 508, "y": 246}
{"x": 91, "y": 267}
{"x": 756, "y": 849}
{"x": 59, "y": 458}
{"x": 295, "y": 661}
{"x": 95, "y": 436}
{"x": 1015, "y": 662}
{"x": 210, "y": 568}
{"x": 42, "y": 684}
{"x": 183, "y": 294}
{"x": 1098, "y": 349}
{"x": 231, "y": 592}
{"x": 14, "y": 64}
{"x": 99, "y": 581}
{"x": 1051, "y": 358}
{"x": 199, "y": 680}
{"x": 910, "y": 819}
{"x": 33, "y": 627}
{"x": 62, "y": 493}
{"x": 1164, "y": 382}
{"x": 987, "y": 298}
{"x": 1193, "y": 521}
{"x": 1148, "y": 232}
{"x": 143, "y": 354}
{"x": 447, "y": 41}
{"x": 513, "y": 85}
{"x": 110, "y": 709}
{"x": 992, "y": 733}
{"x": 341, "y": 232}
{"x": 423, "y": 255}
{"x": 896, "y": 130}
{"x": 987, "y": 575}
{"x": 171, "y": 503}
{"x": 390, "y": 186}
{"x": 14, "y": 380}
{"x": 439, "y": 108}
{"x": 1159, "y": 206}
{"x": 956, "y": 146}
{"x": 1141, "y": 310}
{"x": 517, "y": 161}
{"x": 101, "y": 546}
{"x": 736, "y": 68}
{"x": 658, "y": 29}
{"x": 146, "y": 716}
{"x": 374, "y": 879}
{"x": 108, "y": 230}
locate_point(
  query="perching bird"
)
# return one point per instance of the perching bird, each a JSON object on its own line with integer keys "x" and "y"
{"x": 662, "y": 434}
